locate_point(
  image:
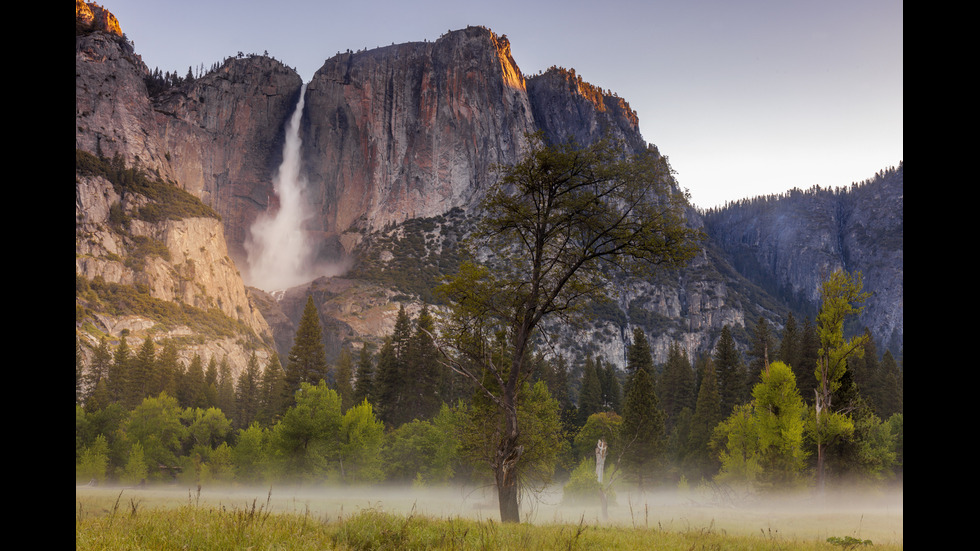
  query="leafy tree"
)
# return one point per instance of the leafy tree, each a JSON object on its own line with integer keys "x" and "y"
{"x": 250, "y": 454}
{"x": 94, "y": 464}
{"x": 642, "y": 433}
{"x": 779, "y": 416}
{"x": 841, "y": 295}
{"x": 604, "y": 425}
{"x": 424, "y": 452}
{"x": 156, "y": 426}
{"x": 731, "y": 373}
{"x": 360, "y": 440}
{"x": 307, "y": 361}
{"x": 561, "y": 223}
{"x": 307, "y": 435}
{"x": 136, "y": 470}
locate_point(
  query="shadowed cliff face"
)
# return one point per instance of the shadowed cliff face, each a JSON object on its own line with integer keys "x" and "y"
{"x": 412, "y": 130}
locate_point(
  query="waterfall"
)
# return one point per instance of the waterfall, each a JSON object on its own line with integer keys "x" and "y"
{"x": 279, "y": 252}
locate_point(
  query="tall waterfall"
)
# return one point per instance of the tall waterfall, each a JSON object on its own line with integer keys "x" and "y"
{"x": 279, "y": 253}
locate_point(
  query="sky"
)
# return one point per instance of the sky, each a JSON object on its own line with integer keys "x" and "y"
{"x": 745, "y": 97}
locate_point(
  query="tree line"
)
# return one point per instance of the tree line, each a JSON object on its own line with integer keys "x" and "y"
{"x": 398, "y": 413}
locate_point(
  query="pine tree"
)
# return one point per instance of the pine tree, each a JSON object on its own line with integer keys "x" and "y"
{"x": 307, "y": 361}
{"x": 790, "y": 345}
{"x": 275, "y": 393}
{"x": 609, "y": 385}
{"x": 707, "y": 415}
{"x": 343, "y": 375}
{"x": 98, "y": 370}
{"x": 119, "y": 371}
{"x": 141, "y": 374}
{"x": 642, "y": 432}
{"x": 804, "y": 372}
{"x": 211, "y": 383}
{"x": 192, "y": 392}
{"x": 247, "y": 393}
{"x": 590, "y": 392}
{"x": 761, "y": 353}
{"x": 731, "y": 374}
{"x": 364, "y": 383}
{"x": 388, "y": 395}
{"x": 226, "y": 401}
{"x": 427, "y": 382}
{"x": 676, "y": 385}
{"x": 169, "y": 370}
{"x": 639, "y": 356}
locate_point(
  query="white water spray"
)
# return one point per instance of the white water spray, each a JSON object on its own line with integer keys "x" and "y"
{"x": 279, "y": 253}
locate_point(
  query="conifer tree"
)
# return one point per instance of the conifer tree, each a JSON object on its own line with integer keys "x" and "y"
{"x": 639, "y": 355}
{"x": 676, "y": 385}
{"x": 275, "y": 393}
{"x": 388, "y": 395}
{"x": 343, "y": 375}
{"x": 609, "y": 385}
{"x": 247, "y": 393}
{"x": 642, "y": 433}
{"x": 809, "y": 345}
{"x": 789, "y": 345}
{"x": 168, "y": 370}
{"x": 211, "y": 383}
{"x": 119, "y": 371}
{"x": 192, "y": 392}
{"x": 590, "y": 392}
{"x": 707, "y": 415}
{"x": 731, "y": 374}
{"x": 141, "y": 374}
{"x": 890, "y": 390}
{"x": 761, "y": 353}
{"x": 307, "y": 361}
{"x": 364, "y": 382}
{"x": 426, "y": 378}
{"x": 226, "y": 389}
{"x": 98, "y": 369}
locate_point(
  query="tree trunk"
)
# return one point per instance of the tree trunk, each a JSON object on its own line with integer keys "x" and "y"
{"x": 505, "y": 465}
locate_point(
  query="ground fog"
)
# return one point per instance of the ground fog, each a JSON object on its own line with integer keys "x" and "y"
{"x": 872, "y": 514}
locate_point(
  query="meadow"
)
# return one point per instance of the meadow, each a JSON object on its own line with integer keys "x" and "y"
{"x": 170, "y": 517}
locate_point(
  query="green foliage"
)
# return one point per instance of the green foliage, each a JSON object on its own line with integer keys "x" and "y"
{"x": 307, "y": 361}
{"x": 847, "y": 542}
{"x": 166, "y": 200}
{"x": 360, "y": 440}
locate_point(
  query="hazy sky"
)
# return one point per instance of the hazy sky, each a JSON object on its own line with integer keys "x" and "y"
{"x": 746, "y": 97}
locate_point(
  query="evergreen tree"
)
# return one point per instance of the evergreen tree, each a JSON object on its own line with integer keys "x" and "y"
{"x": 387, "y": 383}
{"x": 119, "y": 371}
{"x": 226, "y": 400}
{"x": 790, "y": 345}
{"x": 169, "y": 370}
{"x": 642, "y": 433}
{"x": 79, "y": 372}
{"x": 762, "y": 351}
{"x": 890, "y": 399}
{"x": 427, "y": 382}
{"x": 707, "y": 415}
{"x": 143, "y": 374}
{"x": 343, "y": 375}
{"x": 590, "y": 392}
{"x": 609, "y": 386}
{"x": 211, "y": 383}
{"x": 639, "y": 355}
{"x": 364, "y": 383}
{"x": 192, "y": 392}
{"x": 307, "y": 361}
{"x": 247, "y": 394}
{"x": 731, "y": 374}
{"x": 275, "y": 393}
{"x": 809, "y": 346}
{"x": 98, "y": 370}
{"x": 676, "y": 385}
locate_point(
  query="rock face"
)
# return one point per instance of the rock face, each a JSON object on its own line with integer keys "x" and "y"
{"x": 788, "y": 244}
{"x": 412, "y": 130}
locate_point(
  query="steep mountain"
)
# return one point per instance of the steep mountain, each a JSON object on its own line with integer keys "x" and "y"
{"x": 788, "y": 243}
{"x": 398, "y": 145}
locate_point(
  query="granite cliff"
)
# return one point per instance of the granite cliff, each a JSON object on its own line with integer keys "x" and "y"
{"x": 398, "y": 143}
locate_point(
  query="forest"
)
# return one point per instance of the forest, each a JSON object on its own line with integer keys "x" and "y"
{"x": 399, "y": 414}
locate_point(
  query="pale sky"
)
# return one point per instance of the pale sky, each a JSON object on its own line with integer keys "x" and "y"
{"x": 746, "y": 98}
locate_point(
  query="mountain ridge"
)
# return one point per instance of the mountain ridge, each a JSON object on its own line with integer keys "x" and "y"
{"x": 391, "y": 136}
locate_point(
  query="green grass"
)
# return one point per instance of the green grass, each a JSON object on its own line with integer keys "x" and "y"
{"x": 169, "y": 519}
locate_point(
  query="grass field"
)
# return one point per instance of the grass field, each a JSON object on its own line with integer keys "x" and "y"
{"x": 454, "y": 518}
